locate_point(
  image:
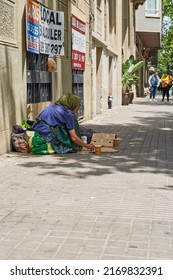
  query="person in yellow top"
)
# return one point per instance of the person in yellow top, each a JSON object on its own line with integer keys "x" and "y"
{"x": 166, "y": 82}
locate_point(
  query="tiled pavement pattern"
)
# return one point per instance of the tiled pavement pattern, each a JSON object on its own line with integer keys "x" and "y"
{"x": 86, "y": 206}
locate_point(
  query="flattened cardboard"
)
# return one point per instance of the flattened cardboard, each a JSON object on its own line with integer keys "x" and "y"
{"x": 103, "y": 150}
{"x": 108, "y": 150}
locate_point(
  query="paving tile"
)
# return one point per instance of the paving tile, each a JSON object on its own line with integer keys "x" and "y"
{"x": 82, "y": 206}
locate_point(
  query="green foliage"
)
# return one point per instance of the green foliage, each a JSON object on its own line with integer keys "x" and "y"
{"x": 165, "y": 56}
{"x": 24, "y": 124}
{"x": 129, "y": 73}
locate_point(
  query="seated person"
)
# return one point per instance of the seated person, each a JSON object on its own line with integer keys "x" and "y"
{"x": 58, "y": 125}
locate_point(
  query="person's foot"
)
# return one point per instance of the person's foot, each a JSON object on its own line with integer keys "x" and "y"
{"x": 150, "y": 99}
{"x": 154, "y": 99}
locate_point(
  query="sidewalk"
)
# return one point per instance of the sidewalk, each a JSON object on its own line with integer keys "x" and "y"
{"x": 87, "y": 206}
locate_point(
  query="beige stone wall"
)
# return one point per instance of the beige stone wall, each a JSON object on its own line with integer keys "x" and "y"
{"x": 128, "y": 28}
{"x": 106, "y": 53}
{"x": 103, "y": 43}
{"x": 12, "y": 69}
{"x": 13, "y": 63}
{"x": 62, "y": 79}
{"x": 82, "y": 11}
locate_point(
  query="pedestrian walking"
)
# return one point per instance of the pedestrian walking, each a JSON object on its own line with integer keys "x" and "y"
{"x": 154, "y": 82}
{"x": 166, "y": 82}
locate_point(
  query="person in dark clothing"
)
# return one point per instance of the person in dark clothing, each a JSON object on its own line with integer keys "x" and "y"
{"x": 166, "y": 81}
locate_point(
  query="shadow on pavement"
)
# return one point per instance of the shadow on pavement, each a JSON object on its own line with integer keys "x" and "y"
{"x": 146, "y": 146}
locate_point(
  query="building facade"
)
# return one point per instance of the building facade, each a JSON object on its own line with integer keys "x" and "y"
{"x": 106, "y": 47}
{"x": 94, "y": 33}
{"x": 148, "y": 37}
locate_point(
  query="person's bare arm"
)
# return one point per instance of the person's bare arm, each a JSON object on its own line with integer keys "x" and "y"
{"x": 78, "y": 141}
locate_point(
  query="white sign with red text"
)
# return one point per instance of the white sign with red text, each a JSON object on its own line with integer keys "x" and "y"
{"x": 78, "y": 43}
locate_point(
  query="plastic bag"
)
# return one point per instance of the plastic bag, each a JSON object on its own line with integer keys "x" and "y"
{"x": 20, "y": 142}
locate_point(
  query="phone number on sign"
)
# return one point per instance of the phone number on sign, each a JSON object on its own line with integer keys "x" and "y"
{"x": 133, "y": 270}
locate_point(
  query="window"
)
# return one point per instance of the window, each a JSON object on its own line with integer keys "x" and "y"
{"x": 151, "y": 8}
{"x": 111, "y": 11}
{"x": 99, "y": 2}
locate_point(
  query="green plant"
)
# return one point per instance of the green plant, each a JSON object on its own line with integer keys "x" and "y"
{"x": 129, "y": 73}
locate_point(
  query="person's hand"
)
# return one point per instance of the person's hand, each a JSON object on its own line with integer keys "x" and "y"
{"x": 90, "y": 147}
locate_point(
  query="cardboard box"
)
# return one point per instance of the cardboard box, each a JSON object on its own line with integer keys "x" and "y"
{"x": 107, "y": 141}
{"x": 34, "y": 109}
{"x": 104, "y": 139}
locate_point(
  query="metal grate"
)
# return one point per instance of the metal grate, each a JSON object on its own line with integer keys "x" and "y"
{"x": 77, "y": 89}
{"x": 39, "y": 80}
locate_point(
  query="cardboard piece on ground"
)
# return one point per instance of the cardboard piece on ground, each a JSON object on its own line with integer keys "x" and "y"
{"x": 103, "y": 139}
{"x": 103, "y": 150}
{"x": 109, "y": 150}
{"x": 34, "y": 109}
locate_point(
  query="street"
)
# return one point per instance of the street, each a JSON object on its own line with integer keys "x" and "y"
{"x": 86, "y": 206}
